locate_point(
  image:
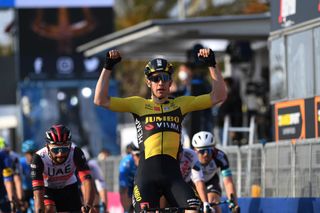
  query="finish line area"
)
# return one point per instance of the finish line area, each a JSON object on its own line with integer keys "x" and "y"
{"x": 249, "y": 205}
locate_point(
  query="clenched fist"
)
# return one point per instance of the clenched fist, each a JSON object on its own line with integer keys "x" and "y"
{"x": 207, "y": 56}
{"x": 112, "y": 58}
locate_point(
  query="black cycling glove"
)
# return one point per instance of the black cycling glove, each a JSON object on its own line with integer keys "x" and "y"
{"x": 209, "y": 61}
{"x": 109, "y": 62}
{"x": 235, "y": 209}
{"x": 86, "y": 208}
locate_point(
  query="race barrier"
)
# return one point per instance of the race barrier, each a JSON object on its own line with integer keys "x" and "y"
{"x": 277, "y": 205}
{"x": 114, "y": 204}
{"x": 249, "y": 205}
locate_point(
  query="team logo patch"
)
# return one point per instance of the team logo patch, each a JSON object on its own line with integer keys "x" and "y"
{"x": 172, "y": 105}
{"x": 136, "y": 193}
{"x": 159, "y": 62}
{"x": 166, "y": 108}
{"x": 149, "y": 127}
{"x": 144, "y": 205}
{"x": 148, "y": 106}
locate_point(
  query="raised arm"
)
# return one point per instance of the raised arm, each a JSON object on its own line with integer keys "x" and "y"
{"x": 218, "y": 92}
{"x": 101, "y": 96}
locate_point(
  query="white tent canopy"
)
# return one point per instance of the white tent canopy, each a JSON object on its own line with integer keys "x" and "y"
{"x": 173, "y": 37}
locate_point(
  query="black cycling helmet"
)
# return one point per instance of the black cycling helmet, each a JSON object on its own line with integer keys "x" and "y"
{"x": 58, "y": 135}
{"x": 134, "y": 147}
{"x": 158, "y": 65}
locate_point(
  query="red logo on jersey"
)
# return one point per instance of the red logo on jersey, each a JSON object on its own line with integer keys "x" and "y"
{"x": 144, "y": 205}
{"x": 185, "y": 168}
{"x": 149, "y": 127}
{"x": 156, "y": 108}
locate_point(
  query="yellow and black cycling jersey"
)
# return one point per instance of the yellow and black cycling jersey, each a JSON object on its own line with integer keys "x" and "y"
{"x": 159, "y": 125}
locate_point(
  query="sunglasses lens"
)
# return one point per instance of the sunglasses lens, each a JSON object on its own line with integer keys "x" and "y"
{"x": 63, "y": 149}
{"x": 203, "y": 151}
{"x": 160, "y": 77}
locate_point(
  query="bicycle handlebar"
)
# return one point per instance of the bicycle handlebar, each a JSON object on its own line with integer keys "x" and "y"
{"x": 230, "y": 201}
{"x": 199, "y": 209}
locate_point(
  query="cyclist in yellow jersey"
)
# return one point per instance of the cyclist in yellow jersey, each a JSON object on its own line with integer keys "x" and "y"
{"x": 158, "y": 123}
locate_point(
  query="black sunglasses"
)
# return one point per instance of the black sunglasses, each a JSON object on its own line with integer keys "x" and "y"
{"x": 137, "y": 154}
{"x": 203, "y": 151}
{"x": 62, "y": 149}
{"x": 160, "y": 77}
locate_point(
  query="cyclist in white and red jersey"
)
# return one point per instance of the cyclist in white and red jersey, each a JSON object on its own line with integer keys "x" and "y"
{"x": 54, "y": 181}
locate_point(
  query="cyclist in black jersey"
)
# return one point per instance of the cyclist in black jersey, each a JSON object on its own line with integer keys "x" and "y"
{"x": 158, "y": 123}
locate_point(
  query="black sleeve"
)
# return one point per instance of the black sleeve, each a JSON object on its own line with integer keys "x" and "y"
{"x": 81, "y": 164}
{"x": 37, "y": 168}
{"x": 80, "y": 160}
{"x": 221, "y": 160}
{"x": 16, "y": 166}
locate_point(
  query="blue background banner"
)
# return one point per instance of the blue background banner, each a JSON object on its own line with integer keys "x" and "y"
{"x": 277, "y": 205}
{"x": 7, "y": 3}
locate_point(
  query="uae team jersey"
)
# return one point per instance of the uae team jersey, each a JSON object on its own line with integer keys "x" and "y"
{"x": 57, "y": 176}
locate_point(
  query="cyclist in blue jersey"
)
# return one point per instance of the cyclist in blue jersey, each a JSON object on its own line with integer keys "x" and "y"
{"x": 16, "y": 168}
{"x": 7, "y": 193}
{"x": 29, "y": 147}
{"x": 127, "y": 171}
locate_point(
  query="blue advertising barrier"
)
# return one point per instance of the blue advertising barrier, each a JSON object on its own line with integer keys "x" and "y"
{"x": 7, "y": 3}
{"x": 277, "y": 205}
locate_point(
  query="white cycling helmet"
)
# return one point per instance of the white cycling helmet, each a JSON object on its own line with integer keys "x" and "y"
{"x": 203, "y": 139}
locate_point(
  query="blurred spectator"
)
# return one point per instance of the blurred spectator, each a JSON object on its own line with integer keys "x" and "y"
{"x": 194, "y": 83}
{"x": 200, "y": 120}
{"x": 232, "y": 107}
{"x": 185, "y": 77}
{"x": 251, "y": 100}
{"x": 104, "y": 154}
{"x": 258, "y": 105}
